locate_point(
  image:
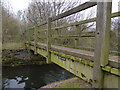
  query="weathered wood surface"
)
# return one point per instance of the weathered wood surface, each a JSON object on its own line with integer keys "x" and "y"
{"x": 102, "y": 42}
{"x": 116, "y": 14}
{"x": 79, "y": 8}
{"x": 100, "y": 60}
{"x": 79, "y": 66}
{"x": 84, "y": 21}
{"x": 49, "y": 41}
{"x": 77, "y": 51}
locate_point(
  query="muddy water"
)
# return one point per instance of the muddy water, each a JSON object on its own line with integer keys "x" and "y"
{"x": 33, "y": 76}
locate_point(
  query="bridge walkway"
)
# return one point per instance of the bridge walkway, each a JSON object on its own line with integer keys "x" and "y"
{"x": 77, "y": 52}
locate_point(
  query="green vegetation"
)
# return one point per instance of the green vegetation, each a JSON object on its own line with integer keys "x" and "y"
{"x": 18, "y": 57}
{"x": 12, "y": 28}
{"x": 12, "y": 46}
{"x": 17, "y": 62}
{"x": 68, "y": 85}
{"x": 115, "y": 53}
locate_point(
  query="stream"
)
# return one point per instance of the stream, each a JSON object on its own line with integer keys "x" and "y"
{"x": 33, "y": 76}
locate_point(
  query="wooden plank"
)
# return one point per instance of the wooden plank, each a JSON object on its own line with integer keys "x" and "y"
{"x": 88, "y": 55}
{"x": 79, "y": 51}
{"x": 101, "y": 55}
{"x": 49, "y": 41}
{"x": 76, "y": 33}
{"x": 35, "y": 40}
{"x": 84, "y": 21}
{"x": 83, "y": 34}
{"x": 116, "y": 14}
{"x": 79, "y": 8}
{"x": 73, "y": 36}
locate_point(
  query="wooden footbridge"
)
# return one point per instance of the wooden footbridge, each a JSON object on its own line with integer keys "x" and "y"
{"x": 96, "y": 67}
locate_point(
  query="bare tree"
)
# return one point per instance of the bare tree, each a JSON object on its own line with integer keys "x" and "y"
{"x": 39, "y": 11}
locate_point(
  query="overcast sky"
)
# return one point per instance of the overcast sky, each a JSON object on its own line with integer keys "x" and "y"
{"x": 23, "y": 4}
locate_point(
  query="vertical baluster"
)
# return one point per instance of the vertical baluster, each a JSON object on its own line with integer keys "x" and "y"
{"x": 35, "y": 40}
{"x": 77, "y": 38}
{"x": 49, "y": 41}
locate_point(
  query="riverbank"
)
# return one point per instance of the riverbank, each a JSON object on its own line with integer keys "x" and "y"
{"x": 69, "y": 83}
{"x": 18, "y": 57}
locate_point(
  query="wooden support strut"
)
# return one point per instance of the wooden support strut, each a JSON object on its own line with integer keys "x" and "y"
{"x": 76, "y": 32}
{"x": 35, "y": 40}
{"x": 103, "y": 25}
{"x": 49, "y": 41}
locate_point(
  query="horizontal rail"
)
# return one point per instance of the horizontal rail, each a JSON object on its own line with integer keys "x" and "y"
{"x": 41, "y": 37}
{"x": 73, "y": 36}
{"x": 79, "y": 8}
{"x": 85, "y": 34}
{"x": 42, "y": 30}
{"x": 72, "y": 11}
{"x": 81, "y": 22}
{"x": 84, "y": 21}
{"x": 116, "y": 14}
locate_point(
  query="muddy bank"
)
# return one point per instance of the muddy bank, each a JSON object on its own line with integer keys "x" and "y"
{"x": 69, "y": 83}
{"x": 21, "y": 57}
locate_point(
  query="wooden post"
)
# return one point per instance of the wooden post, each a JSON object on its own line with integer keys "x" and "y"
{"x": 25, "y": 39}
{"x": 35, "y": 40}
{"x": 101, "y": 56}
{"x": 49, "y": 41}
{"x": 77, "y": 39}
{"x": 29, "y": 37}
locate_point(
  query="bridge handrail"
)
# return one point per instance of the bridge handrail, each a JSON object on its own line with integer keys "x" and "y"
{"x": 79, "y": 8}
{"x": 85, "y": 21}
{"x": 116, "y": 14}
{"x": 102, "y": 36}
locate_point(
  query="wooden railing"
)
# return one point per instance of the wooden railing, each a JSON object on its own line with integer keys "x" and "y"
{"x": 102, "y": 34}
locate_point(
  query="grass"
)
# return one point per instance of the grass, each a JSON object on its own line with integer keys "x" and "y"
{"x": 74, "y": 83}
{"x": 17, "y": 62}
{"x": 13, "y": 45}
{"x": 115, "y": 53}
{"x": 69, "y": 85}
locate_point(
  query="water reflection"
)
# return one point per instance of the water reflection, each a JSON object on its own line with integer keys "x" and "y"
{"x": 33, "y": 76}
{"x": 18, "y": 82}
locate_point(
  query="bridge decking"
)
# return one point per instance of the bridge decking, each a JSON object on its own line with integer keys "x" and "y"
{"x": 78, "y": 51}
